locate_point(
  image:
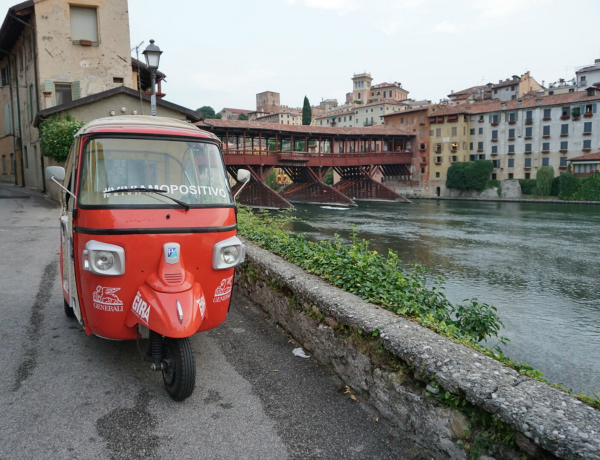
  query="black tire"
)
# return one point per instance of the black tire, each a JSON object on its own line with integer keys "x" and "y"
{"x": 68, "y": 310}
{"x": 180, "y": 375}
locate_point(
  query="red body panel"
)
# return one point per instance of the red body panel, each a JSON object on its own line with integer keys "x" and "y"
{"x": 143, "y": 255}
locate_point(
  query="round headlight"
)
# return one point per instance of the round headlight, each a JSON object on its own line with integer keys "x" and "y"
{"x": 104, "y": 260}
{"x": 230, "y": 254}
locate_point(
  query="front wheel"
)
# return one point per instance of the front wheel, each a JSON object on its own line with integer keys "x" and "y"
{"x": 180, "y": 374}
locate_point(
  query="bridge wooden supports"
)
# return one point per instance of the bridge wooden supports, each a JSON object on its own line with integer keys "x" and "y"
{"x": 357, "y": 183}
{"x": 257, "y": 194}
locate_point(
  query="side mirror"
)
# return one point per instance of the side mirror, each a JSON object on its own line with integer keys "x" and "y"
{"x": 58, "y": 172}
{"x": 243, "y": 175}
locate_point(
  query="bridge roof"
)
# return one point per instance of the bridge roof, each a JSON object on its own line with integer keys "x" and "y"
{"x": 216, "y": 125}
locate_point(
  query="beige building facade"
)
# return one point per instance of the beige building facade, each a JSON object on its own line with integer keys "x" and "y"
{"x": 54, "y": 52}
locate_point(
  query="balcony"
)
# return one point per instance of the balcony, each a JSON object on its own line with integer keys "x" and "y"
{"x": 494, "y": 123}
{"x": 565, "y": 117}
{"x": 529, "y": 121}
{"x": 587, "y": 134}
{"x": 547, "y": 118}
{"x": 512, "y": 122}
{"x": 527, "y": 137}
{"x": 588, "y": 115}
{"x": 494, "y": 140}
{"x": 564, "y": 135}
{"x": 546, "y": 136}
{"x": 511, "y": 138}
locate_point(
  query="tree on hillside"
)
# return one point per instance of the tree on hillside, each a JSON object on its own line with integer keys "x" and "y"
{"x": 207, "y": 112}
{"x": 306, "y": 112}
{"x": 243, "y": 116}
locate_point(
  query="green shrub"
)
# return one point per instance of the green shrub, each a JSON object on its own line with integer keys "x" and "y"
{"x": 555, "y": 190}
{"x": 543, "y": 180}
{"x": 271, "y": 180}
{"x": 569, "y": 185}
{"x": 527, "y": 186}
{"x": 56, "y": 136}
{"x": 472, "y": 175}
{"x": 328, "y": 179}
{"x": 379, "y": 279}
{"x": 589, "y": 189}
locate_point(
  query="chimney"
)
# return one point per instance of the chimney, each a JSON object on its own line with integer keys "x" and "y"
{"x": 538, "y": 102}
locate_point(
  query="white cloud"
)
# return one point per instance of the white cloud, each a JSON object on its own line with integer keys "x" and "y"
{"x": 326, "y": 4}
{"x": 230, "y": 79}
{"x": 448, "y": 27}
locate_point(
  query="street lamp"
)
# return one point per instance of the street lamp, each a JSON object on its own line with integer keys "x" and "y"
{"x": 152, "y": 54}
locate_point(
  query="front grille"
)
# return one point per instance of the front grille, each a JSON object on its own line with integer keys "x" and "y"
{"x": 174, "y": 278}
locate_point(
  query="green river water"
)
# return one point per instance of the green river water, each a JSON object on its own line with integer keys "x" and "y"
{"x": 538, "y": 264}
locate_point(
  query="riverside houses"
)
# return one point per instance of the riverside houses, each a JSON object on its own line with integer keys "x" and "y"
{"x": 520, "y": 136}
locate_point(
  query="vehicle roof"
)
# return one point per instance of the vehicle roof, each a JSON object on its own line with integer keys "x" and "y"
{"x": 144, "y": 124}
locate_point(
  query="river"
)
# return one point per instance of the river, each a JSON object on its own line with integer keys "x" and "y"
{"x": 538, "y": 264}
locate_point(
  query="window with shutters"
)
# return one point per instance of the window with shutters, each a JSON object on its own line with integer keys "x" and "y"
{"x": 4, "y": 76}
{"x": 84, "y": 25}
{"x": 545, "y": 161}
{"x": 63, "y": 93}
{"x": 7, "y": 120}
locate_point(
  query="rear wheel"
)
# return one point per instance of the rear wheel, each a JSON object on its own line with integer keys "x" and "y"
{"x": 68, "y": 310}
{"x": 180, "y": 374}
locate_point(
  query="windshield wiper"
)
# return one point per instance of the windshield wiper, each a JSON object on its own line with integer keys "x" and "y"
{"x": 153, "y": 190}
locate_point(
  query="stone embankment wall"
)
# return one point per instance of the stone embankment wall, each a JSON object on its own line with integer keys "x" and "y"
{"x": 326, "y": 321}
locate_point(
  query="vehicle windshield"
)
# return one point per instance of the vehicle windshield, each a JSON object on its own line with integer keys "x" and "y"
{"x": 189, "y": 171}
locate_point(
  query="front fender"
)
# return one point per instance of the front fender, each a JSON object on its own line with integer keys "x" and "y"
{"x": 158, "y": 311}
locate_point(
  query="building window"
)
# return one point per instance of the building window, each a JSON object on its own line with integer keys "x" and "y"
{"x": 479, "y": 145}
{"x": 527, "y": 162}
{"x": 454, "y": 146}
{"x": 494, "y": 149}
{"x": 438, "y": 159}
{"x": 547, "y": 113}
{"x": 587, "y": 144}
{"x": 401, "y": 120}
{"x": 511, "y": 148}
{"x": 590, "y": 108}
{"x": 495, "y": 135}
{"x": 438, "y": 132}
{"x": 587, "y": 127}
{"x": 63, "y": 93}
{"x": 566, "y": 111}
{"x": 84, "y": 24}
{"x": 511, "y": 133}
{"x": 529, "y": 116}
{"x": 527, "y": 147}
{"x": 511, "y": 117}
{"x": 438, "y": 148}
{"x": 472, "y": 131}
{"x": 546, "y": 147}
{"x": 495, "y": 118}
{"x": 527, "y": 176}
{"x": 529, "y": 131}
{"x": 4, "y": 76}
{"x": 564, "y": 129}
{"x": 563, "y": 162}
{"x": 26, "y": 157}
{"x": 511, "y": 175}
{"x": 470, "y": 145}
{"x": 546, "y": 130}
{"x": 350, "y": 118}
{"x": 454, "y": 131}
{"x": 480, "y": 130}
{"x": 564, "y": 145}
{"x": 511, "y": 162}
{"x": 545, "y": 161}
{"x": 437, "y": 174}
{"x": 495, "y": 164}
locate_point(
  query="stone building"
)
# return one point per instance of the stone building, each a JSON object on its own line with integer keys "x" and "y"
{"x": 283, "y": 118}
{"x": 505, "y": 90}
{"x": 51, "y": 53}
{"x": 359, "y": 115}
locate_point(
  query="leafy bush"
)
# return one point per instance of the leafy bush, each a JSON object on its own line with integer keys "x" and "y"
{"x": 569, "y": 185}
{"x": 472, "y": 175}
{"x": 555, "y": 190}
{"x": 328, "y": 179}
{"x": 589, "y": 189}
{"x": 527, "y": 186}
{"x": 376, "y": 278}
{"x": 56, "y": 136}
{"x": 543, "y": 181}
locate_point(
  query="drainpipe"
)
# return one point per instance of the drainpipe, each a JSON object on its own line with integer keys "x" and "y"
{"x": 37, "y": 79}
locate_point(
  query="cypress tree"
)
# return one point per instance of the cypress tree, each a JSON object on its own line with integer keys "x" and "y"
{"x": 306, "y": 112}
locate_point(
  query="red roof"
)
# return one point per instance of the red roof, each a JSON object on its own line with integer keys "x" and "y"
{"x": 529, "y": 102}
{"x": 243, "y": 125}
{"x": 238, "y": 110}
{"x": 589, "y": 156}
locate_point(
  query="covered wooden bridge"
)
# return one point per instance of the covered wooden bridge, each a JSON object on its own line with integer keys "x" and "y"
{"x": 360, "y": 157}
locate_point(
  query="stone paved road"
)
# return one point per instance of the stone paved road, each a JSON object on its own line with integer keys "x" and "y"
{"x": 65, "y": 395}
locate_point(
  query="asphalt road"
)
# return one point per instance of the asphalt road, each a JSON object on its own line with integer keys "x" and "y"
{"x": 66, "y": 395}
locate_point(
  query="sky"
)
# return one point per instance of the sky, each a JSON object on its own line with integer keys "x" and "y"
{"x": 221, "y": 53}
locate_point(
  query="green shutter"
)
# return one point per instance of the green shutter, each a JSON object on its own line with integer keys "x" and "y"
{"x": 49, "y": 88}
{"x": 76, "y": 90}
{"x": 593, "y": 108}
{"x": 7, "y": 119}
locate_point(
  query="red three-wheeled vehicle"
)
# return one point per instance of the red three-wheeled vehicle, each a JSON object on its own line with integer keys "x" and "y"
{"x": 148, "y": 237}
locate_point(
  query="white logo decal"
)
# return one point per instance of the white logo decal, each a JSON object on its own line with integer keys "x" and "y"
{"x": 171, "y": 190}
{"x": 223, "y": 292}
{"x": 141, "y": 308}
{"x": 105, "y": 299}
{"x": 201, "y": 305}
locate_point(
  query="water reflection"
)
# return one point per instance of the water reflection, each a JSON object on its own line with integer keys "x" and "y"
{"x": 537, "y": 263}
